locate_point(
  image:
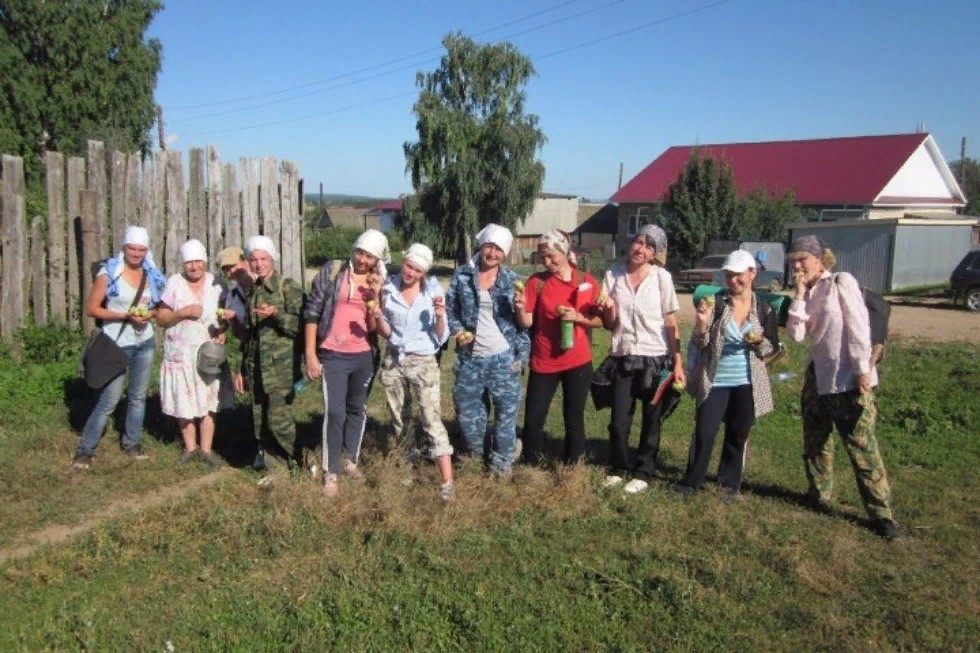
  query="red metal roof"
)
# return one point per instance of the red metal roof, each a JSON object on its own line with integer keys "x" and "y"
{"x": 389, "y": 205}
{"x": 851, "y": 170}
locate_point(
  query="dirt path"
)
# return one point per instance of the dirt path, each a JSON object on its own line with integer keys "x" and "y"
{"x": 58, "y": 533}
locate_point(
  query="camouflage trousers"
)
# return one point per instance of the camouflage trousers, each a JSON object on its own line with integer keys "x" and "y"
{"x": 272, "y": 412}
{"x": 420, "y": 376}
{"x": 495, "y": 375}
{"x": 854, "y": 414}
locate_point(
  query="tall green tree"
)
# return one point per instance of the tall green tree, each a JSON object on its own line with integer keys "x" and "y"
{"x": 764, "y": 215}
{"x": 969, "y": 182}
{"x": 75, "y": 70}
{"x": 701, "y": 205}
{"x": 475, "y": 158}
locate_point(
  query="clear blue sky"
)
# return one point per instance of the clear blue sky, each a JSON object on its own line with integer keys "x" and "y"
{"x": 331, "y": 85}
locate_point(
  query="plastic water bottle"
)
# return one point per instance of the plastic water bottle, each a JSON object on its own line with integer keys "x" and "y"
{"x": 783, "y": 376}
{"x": 301, "y": 385}
{"x": 567, "y": 334}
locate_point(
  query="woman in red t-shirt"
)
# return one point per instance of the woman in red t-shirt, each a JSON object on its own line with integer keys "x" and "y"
{"x": 560, "y": 353}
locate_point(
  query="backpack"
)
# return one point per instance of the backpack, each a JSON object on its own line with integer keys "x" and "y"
{"x": 879, "y": 310}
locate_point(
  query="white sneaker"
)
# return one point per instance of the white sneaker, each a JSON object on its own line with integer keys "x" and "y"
{"x": 612, "y": 481}
{"x": 635, "y": 486}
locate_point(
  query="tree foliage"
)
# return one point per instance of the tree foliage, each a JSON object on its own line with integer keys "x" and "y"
{"x": 475, "y": 158}
{"x": 703, "y": 205}
{"x": 71, "y": 71}
{"x": 970, "y": 184}
{"x": 764, "y": 215}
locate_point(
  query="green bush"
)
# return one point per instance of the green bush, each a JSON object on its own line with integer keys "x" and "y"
{"x": 50, "y": 342}
{"x": 338, "y": 242}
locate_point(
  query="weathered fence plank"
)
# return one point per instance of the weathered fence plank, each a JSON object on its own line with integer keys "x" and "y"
{"x": 38, "y": 265}
{"x": 250, "y": 199}
{"x": 76, "y": 183}
{"x": 117, "y": 200}
{"x": 176, "y": 212}
{"x": 54, "y": 164}
{"x": 91, "y": 250}
{"x": 291, "y": 265}
{"x": 215, "y": 242}
{"x": 97, "y": 184}
{"x": 133, "y": 190}
{"x": 157, "y": 228}
{"x": 231, "y": 206}
{"x": 12, "y": 240}
{"x": 197, "y": 209}
{"x": 269, "y": 202}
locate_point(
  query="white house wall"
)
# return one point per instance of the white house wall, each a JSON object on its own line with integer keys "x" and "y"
{"x": 919, "y": 177}
{"x": 550, "y": 213}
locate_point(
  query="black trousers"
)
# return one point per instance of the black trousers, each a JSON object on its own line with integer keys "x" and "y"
{"x": 541, "y": 389}
{"x": 736, "y": 407}
{"x": 627, "y": 389}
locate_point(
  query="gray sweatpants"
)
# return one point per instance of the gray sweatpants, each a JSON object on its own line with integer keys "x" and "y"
{"x": 346, "y": 381}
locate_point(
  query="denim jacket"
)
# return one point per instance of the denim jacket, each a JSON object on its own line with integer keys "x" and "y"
{"x": 463, "y": 309}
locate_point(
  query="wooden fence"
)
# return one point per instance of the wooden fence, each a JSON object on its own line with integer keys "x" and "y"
{"x": 45, "y": 259}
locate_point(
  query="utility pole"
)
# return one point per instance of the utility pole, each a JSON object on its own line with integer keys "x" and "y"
{"x": 620, "y": 176}
{"x": 962, "y": 162}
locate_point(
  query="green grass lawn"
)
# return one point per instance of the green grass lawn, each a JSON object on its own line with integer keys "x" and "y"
{"x": 546, "y": 562}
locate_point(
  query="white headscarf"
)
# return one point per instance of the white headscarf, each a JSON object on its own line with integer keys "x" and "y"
{"x": 374, "y": 243}
{"x": 498, "y": 235}
{"x": 136, "y": 236}
{"x": 658, "y": 238}
{"x": 419, "y": 255}
{"x": 557, "y": 240}
{"x": 263, "y": 243}
{"x": 193, "y": 250}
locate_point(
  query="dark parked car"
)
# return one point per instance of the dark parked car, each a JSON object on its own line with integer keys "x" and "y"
{"x": 709, "y": 271}
{"x": 964, "y": 283}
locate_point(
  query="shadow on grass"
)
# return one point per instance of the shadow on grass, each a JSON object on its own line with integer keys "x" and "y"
{"x": 800, "y": 500}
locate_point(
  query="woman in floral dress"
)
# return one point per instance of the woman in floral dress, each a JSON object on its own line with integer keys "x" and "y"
{"x": 188, "y": 311}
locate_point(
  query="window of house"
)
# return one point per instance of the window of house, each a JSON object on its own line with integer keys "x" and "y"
{"x": 643, "y": 215}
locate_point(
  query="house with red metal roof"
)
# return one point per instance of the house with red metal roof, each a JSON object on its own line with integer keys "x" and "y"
{"x": 886, "y": 204}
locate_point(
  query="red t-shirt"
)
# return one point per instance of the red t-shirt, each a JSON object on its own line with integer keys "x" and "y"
{"x": 580, "y": 292}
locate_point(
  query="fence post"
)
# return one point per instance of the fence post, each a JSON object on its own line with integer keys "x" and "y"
{"x": 91, "y": 248}
{"x": 12, "y": 236}
{"x": 76, "y": 182}
{"x": 96, "y": 183}
{"x": 55, "y": 181}
{"x": 39, "y": 280}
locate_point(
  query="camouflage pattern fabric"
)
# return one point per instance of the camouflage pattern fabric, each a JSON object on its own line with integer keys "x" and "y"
{"x": 495, "y": 374}
{"x": 419, "y": 375}
{"x": 854, "y": 414}
{"x": 270, "y": 364}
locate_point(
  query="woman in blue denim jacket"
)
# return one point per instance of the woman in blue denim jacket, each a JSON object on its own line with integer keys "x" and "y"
{"x": 491, "y": 349}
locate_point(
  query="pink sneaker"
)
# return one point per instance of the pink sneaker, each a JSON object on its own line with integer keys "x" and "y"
{"x": 331, "y": 485}
{"x": 350, "y": 469}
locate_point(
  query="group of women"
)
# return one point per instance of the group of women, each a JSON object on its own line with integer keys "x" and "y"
{"x": 499, "y": 323}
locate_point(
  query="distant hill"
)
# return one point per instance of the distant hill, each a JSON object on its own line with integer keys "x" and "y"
{"x": 339, "y": 199}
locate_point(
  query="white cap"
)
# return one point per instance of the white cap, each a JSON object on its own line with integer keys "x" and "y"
{"x": 136, "y": 236}
{"x": 263, "y": 243}
{"x": 739, "y": 261}
{"x": 420, "y": 255}
{"x": 498, "y": 235}
{"x": 193, "y": 250}
{"x": 374, "y": 243}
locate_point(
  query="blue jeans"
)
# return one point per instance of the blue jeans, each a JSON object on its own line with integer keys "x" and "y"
{"x": 496, "y": 375}
{"x": 140, "y": 364}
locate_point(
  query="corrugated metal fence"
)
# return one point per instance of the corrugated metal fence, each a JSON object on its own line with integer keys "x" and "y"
{"x": 91, "y": 200}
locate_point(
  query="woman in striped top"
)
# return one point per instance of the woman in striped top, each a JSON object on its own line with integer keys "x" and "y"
{"x": 729, "y": 383}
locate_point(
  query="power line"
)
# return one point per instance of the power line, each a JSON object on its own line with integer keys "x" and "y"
{"x": 553, "y": 53}
{"x": 225, "y": 112}
{"x": 369, "y": 68}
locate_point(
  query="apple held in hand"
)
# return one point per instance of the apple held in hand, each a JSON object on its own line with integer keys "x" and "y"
{"x": 678, "y": 386}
